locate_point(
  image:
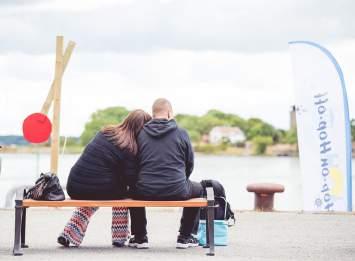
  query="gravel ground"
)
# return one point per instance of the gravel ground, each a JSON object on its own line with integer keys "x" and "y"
{"x": 256, "y": 236}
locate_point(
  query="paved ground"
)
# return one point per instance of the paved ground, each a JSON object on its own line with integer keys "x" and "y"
{"x": 257, "y": 236}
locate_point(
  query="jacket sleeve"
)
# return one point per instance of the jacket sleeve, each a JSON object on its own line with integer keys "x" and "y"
{"x": 189, "y": 154}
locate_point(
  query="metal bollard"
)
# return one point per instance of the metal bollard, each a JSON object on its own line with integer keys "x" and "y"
{"x": 264, "y": 195}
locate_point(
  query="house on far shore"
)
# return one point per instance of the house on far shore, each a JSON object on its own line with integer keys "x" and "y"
{"x": 220, "y": 133}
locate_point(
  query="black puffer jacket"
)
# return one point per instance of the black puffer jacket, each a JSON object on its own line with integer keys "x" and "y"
{"x": 103, "y": 171}
{"x": 166, "y": 161}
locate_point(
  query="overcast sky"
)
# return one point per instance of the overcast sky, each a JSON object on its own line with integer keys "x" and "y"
{"x": 227, "y": 55}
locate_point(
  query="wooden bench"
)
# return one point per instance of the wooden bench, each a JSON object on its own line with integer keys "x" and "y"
{"x": 22, "y": 205}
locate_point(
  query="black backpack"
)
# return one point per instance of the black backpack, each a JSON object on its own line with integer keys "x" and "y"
{"x": 223, "y": 209}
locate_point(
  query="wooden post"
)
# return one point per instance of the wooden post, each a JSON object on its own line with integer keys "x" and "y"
{"x": 50, "y": 96}
{"x": 55, "y": 141}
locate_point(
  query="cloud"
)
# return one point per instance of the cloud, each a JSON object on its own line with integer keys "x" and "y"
{"x": 249, "y": 84}
{"x": 148, "y": 26}
{"x": 228, "y": 55}
{"x": 16, "y": 3}
{"x": 194, "y": 81}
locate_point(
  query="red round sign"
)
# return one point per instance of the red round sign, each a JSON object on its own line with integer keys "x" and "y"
{"x": 36, "y": 128}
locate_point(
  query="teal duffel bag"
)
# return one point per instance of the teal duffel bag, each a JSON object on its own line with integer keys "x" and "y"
{"x": 220, "y": 233}
{"x": 223, "y": 214}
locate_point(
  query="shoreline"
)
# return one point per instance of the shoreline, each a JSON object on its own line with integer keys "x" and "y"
{"x": 230, "y": 151}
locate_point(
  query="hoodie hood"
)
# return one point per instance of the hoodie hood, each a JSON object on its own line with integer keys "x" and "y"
{"x": 159, "y": 127}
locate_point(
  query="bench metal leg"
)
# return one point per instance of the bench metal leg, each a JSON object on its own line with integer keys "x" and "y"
{"x": 207, "y": 234}
{"x": 210, "y": 230}
{"x": 210, "y": 221}
{"x": 23, "y": 229}
{"x": 18, "y": 223}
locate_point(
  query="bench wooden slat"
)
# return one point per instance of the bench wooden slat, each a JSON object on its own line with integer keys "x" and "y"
{"x": 195, "y": 202}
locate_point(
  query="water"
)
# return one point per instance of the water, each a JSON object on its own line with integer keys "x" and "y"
{"x": 235, "y": 173}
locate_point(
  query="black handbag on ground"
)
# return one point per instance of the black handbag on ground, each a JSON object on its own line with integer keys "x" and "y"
{"x": 47, "y": 188}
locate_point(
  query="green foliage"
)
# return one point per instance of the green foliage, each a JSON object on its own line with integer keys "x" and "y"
{"x": 194, "y": 135}
{"x": 352, "y": 125}
{"x": 205, "y": 124}
{"x": 290, "y": 137}
{"x": 256, "y": 127}
{"x": 210, "y": 149}
{"x": 260, "y": 143}
{"x": 199, "y": 126}
{"x": 189, "y": 123}
{"x": 228, "y": 119}
{"x": 101, "y": 118}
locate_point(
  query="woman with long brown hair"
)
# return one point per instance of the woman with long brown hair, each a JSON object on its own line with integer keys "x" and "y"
{"x": 104, "y": 171}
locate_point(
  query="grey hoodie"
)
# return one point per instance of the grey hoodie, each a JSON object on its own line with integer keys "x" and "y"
{"x": 165, "y": 161}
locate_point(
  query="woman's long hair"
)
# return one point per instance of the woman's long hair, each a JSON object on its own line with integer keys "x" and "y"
{"x": 124, "y": 135}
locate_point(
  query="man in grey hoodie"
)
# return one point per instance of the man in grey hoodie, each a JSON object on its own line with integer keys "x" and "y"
{"x": 165, "y": 160}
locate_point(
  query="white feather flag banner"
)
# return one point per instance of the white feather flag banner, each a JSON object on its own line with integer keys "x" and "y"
{"x": 323, "y": 128}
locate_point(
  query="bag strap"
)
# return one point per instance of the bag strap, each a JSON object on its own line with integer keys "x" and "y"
{"x": 206, "y": 183}
{"x": 227, "y": 209}
{"x": 231, "y": 214}
{"x": 225, "y": 206}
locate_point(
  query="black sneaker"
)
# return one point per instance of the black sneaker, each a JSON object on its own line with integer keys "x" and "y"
{"x": 63, "y": 241}
{"x": 139, "y": 242}
{"x": 118, "y": 244}
{"x": 184, "y": 242}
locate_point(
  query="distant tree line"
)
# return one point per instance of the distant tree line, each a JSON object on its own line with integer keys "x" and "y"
{"x": 19, "y": 140}
{"x": 13, "y": 140}
{"x": 256, "y": 130}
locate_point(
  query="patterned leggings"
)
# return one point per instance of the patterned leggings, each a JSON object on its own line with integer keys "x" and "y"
{"x": 76, "y": 227}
